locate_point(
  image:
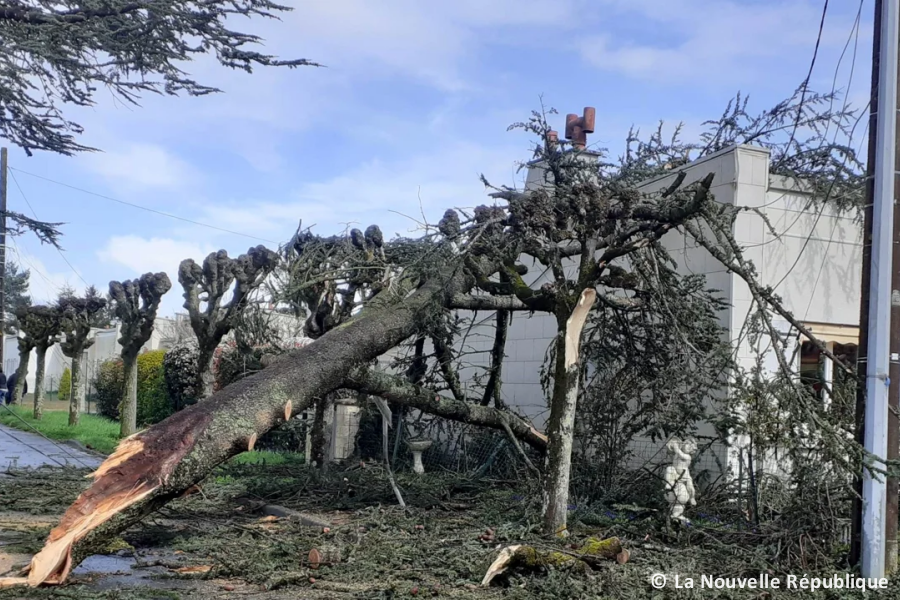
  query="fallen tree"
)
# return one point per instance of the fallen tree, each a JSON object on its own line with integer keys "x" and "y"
{"x": 589, "y": 229}
{"x": 160, "y": 464}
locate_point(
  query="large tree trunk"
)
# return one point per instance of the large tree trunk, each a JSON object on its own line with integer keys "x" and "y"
{"x": 159, "y": 464}
{"x": 21, "y": 374}
{"x": 128, "y": 412}
{"x": 39, "y": 384}
{"x": 76, "y": 400}
{"x": 561, "y": 427}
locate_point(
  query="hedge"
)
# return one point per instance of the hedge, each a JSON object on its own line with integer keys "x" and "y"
{"x": 154, "y": 404}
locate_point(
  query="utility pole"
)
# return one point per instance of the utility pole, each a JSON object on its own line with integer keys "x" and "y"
{"x": 862, "y": 347}
{"x": 4, "y": 173}
{"x": 874, "y": 486}
{"x": 893, "y": 418}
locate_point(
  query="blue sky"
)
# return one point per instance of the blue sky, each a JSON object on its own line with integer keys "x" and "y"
{"x": 413, "y": 105}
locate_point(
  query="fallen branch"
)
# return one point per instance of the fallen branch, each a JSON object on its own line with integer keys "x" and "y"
{"x": 529, "y": 557}
{"x": 399, "y": 390}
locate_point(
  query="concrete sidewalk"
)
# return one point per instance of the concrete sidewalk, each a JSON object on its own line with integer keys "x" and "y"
{"x": 22, "y": 449}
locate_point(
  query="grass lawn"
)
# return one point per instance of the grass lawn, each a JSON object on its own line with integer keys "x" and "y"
{"x": 95, "y": 432}
{"x": 101, "y": 434}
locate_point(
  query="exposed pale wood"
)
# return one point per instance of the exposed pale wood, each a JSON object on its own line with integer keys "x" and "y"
{"x": 576, "y": 323}
{"x": 500, "y": 564}
{"x": 251, "y": 443}
{"x": 288, "y": 410}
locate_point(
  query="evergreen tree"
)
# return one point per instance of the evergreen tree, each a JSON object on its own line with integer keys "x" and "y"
{"x": 15, "y": 286}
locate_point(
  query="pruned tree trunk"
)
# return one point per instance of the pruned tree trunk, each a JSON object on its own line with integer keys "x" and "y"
{"x": 206, "y": 378}
{"x": 21, "y": 374}
{"x": 76, "y": 400}
{"x": 128, "y": 412}
{"x": 39, "y": 384}
{"x": 561, "y": 427}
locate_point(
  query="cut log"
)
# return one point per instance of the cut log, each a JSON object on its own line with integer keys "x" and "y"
{"x": 324, "y": 556}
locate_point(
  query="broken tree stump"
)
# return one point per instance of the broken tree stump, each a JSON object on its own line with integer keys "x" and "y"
{"x": 591, "y": 552}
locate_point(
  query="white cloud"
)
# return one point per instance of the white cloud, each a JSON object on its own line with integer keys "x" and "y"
{"x": 144, "y": 255}
{"x": 44, "y": 284}
{"x": 445, "y": 177}
{"x": 140, "y": 166}
{"x": 717, "y": 41}
{"x": 424, "y": 40}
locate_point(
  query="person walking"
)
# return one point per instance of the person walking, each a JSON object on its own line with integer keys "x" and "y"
{"x": 11, "y": 387}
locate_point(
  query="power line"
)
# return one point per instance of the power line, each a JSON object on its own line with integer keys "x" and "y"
{"x": 23, "y": 259}
{"x": 60, "y": 252}
{"x": 138, "y": 206}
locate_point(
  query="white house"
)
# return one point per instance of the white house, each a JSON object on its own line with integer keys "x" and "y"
{"x": 105, "y": 347}
{"x": 813, "y": 261}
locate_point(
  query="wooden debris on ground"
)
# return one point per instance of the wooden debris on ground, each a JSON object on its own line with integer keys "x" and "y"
{"x": 591, "y": 552}
{"x": 324, "y": 556}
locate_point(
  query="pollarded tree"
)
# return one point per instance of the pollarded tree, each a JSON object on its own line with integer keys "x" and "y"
{"x": 76, "y": 315}
{"x": 128, "y": 48}
{"x": 209, "y": 284}
{"x": 39, "y": 328}
{"x": 135, "y": 303}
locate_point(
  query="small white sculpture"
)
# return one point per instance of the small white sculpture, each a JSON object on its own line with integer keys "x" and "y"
{"x": 679, "y": 485}
{"x": 417, "y": 447}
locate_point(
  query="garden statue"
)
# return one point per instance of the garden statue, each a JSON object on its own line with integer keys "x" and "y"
{"x": 679, "y": 485}
{"x": 417, "y": 447}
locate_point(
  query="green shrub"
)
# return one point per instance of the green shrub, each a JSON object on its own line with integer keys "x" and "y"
{"x": 108, "y": 388}
{"x": 179, "y": 371}
{"x": 152, "y": 398}
{"x": 65, "y": 384}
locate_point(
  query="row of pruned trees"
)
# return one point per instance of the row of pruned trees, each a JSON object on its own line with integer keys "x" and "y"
{"x": 134, "y": 304}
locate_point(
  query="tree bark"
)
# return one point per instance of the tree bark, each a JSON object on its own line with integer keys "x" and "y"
{"x": 39, "y": 384}
{"x": 206, "y": 379}
{"x": 317, "y": 434}
{"x": 76, "y": 400}
{"x": 128, "y": 412}
{"x": 399, "y": 390}
{"x": 159, "y": 464}
{"x": 21, "y": 374}
{"x": 561, "y": 427}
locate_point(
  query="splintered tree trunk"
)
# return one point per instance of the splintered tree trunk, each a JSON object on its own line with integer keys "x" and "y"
{"x": 21, "y": 374}
{"x": 76, "y": 400}
{"x": 128, "y": 412}
{"x": 161, "y": 463}
{"x": 39, "y": 384}
{"x": 561, "y": 428}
